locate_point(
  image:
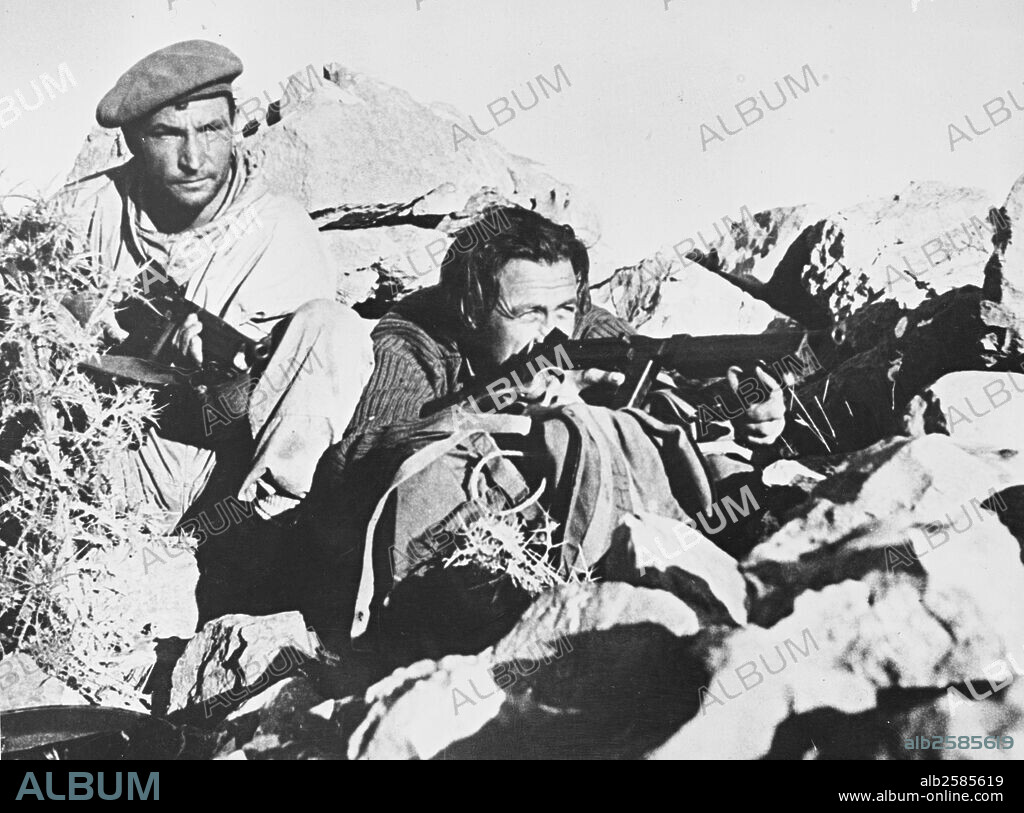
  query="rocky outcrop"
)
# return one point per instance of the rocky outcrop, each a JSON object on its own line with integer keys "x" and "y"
{"x": 904, "y": 248}
{"x": 1004, "y": 273}
{"x": 676, "y": 557}
{"x": 881, "y": 508}
{"x": 415, "y": 713}
{"x": 928, "y": 239}
{"x": 977, "y": 326}
{"x": 591, "y": 653}
{"x": 852, "y": 651}
{"x": 597, "y": 654}
{"x": 862, "y": 601}
{"x": 355, "y": 141}
{"x": 581, "y": 608}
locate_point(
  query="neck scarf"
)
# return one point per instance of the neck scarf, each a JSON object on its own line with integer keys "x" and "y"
{"x": 180, "y": 256}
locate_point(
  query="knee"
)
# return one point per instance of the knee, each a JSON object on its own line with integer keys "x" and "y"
{"x": 332, "y": 321}
{"x": 322, "y": 312}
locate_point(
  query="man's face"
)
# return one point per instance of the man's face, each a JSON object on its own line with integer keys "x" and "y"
{"x": 533, "y": 299}
{"x": 185, "y": 153}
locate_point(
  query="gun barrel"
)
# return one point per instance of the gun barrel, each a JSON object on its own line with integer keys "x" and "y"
{"x": 711, "y": 356}
{"x": 640, "y": 357}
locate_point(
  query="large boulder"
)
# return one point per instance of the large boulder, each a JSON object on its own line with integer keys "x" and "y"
{"x": 666, "y": 295}
{"x": 977, "y": 326}
{"x": 675, "y": 556}
{"x": 415, "y": 713}
{"x": 235, "y": 657}
{"x": 356, "y": 141}
{"x": 590, "y": 607}
{"x": 928, "y": 239}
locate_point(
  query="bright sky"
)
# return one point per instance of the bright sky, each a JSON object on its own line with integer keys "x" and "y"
{"x": 643, "y": 80}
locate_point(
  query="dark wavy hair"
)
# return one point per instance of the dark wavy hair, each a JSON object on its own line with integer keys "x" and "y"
{"x": 469, "y": 271}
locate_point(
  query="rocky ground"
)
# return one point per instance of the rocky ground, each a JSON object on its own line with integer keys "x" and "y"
{"x": 878, "y": 594}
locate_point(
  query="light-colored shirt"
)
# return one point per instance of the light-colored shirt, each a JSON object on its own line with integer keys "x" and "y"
{"x": 258, "y": 259}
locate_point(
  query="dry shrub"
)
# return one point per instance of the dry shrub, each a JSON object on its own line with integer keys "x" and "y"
{"x": 58, "y": 433}
{"x": 503, "y": 543}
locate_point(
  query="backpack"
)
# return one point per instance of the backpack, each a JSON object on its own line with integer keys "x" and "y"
{"x": 608, "y": 463}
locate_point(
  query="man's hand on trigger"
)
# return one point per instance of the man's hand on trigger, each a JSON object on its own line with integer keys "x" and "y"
{"x": 187, "y": 339}
{"x": 764, "y": 415}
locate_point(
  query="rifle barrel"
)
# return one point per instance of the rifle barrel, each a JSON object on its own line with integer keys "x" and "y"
{"x": 711, "y": 356}
{"x": 642, "y": 356}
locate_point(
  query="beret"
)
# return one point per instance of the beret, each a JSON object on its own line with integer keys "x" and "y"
{"x": 190, "y": 69}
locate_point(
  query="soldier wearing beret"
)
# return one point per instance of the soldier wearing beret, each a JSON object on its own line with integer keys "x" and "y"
{"x": 187, "y": 210}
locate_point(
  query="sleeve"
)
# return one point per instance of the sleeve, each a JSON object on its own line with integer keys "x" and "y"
{"x": 404, "y": 378}
{"x": 92, "y": 211}
{"x": 293, "y": 269}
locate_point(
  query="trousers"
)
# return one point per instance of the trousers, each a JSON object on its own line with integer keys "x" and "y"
{"x": 298, "y": 407}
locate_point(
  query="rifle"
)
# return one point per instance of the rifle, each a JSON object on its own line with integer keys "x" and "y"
{"x": 149, "y": 357}
{"x": 642, "y": 358}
